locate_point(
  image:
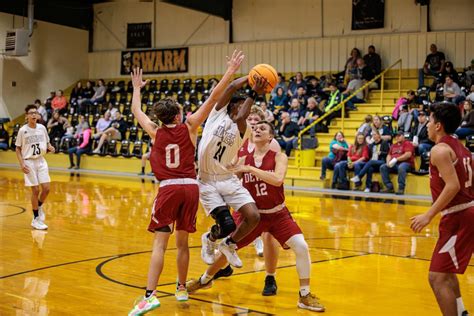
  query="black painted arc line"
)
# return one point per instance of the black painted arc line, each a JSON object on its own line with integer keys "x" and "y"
{"x": 23, "y": 210}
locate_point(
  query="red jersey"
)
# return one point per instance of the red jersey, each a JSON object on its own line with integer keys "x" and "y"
{"x": 244, "y": 150}
{"x": 172, "y": 155}
{"x": 266, "y": 196}
{"x": 464, "y": 168}
{"x": 396, "y": 150}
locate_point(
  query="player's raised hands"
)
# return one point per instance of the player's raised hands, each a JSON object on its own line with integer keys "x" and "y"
{"x": 419, "y": 222}
{"x": 234, "y": 62}
{"x": 259, "y": 85}
{"x": 137, "y": 78}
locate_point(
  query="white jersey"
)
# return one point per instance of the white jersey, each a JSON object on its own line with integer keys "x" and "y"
{"x": 219, "y": 143}
{"x": 33, "y": 141}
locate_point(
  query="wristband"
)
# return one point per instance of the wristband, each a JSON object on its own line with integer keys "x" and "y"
{"x": 252, "y": 95}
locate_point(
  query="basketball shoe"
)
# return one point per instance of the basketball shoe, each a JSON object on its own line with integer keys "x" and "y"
{"x": 310, "y": 302}
{"x": 270, "y": 287}
{"x": 258, "y": 244}
{"x": 37, "y": 223}
{"x": 181, "y": 293}
{"x": 41, "y": 214}
{"x": 208, "y": 250}
{"x": 229, "y": 250}
{"x": 226, "y": 272}
{"x": 194, "y": 285}
{"x": 145, "y": 304}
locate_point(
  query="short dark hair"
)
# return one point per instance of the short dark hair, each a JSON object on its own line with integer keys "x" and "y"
{"x": 372, "y": 46}
{"x": 270, "y": 125}
{"x": 447, "y": 114}
{"x": 166, "y": 110}
{"x": 38, "y": 101}
{"x": 29, "y": 107}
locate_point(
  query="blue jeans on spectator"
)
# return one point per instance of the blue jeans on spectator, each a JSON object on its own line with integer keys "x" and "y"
{"x": 463, "y": 132}
{"x": 424, "y": 148}
{"x": 340, "y": 174}
{"x": 369, "y": 168}
{"x": 327, "y": 163}
{"x": 78, "y": 151}
{"x": 402, "y": 168}
{"x": 421, "y": 76}
{"x": 4, "y": 146}
{"x": 288, "y": 146}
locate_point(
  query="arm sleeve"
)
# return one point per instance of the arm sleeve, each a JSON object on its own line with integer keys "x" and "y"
{"x": 85, "y": 138}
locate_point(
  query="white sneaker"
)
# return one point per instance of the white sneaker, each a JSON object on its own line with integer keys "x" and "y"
{"x": 355, "y": 179}
{"x": 41, "y": 214}
{"x": 229, "y": 251}
{"x": 38, "y": 224}
{"x": 208, "y": 250}
{"x": 96, "y": 151}
{"x": 367, "y": 190}
{"x": 258, "y": 244}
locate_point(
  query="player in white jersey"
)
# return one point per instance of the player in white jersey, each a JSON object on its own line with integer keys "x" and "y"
{"x": 224, "y": 133}
{"x": 32, "y": 143}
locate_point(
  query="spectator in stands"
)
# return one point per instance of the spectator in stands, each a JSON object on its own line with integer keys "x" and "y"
{"x": 57, "y": 125}
{"x": 3, "y": 137}
{"x": 76, "y": 95}
{"x": 102, "y": 124}
{"x": 353, "y": 86}
{"x": 99, "y": 95}
{"x": 83, "y": 135}
{"x": 335, "y": 97}
{"x": 295, "y": 84}
{"x": 434, "y": 64}
{"x": 400, "y": 159}
{"x": 350, "y": 69}
{"x": 451, "y": 91}
{"x": 59, "y": 102}
{"x": 88, "y": 91}
{"x": 268, "y": 114}
{"x": 470, "y": 97}
{"x": 281, "y": 84}
{"x": 295, "y": 110}
{"x": 47, "y": 102}
{"x": 280, "y": 101}
{"x": 113, "y": 109}
{"x": 68, "y": 135}
{"x": 403, "y": 106}
{"x": 379, "y": 126}
{"x": 313, "y": 89}
{"x": 367, "y": 74}
{"x": 288, "y": 133}
{"x": 373, "y": 60}
{"x": 357, "y": 156}
{"x": 470, "y": 74}
{"x": 42, "y": 112}
{"x": 117, "y": 130}
{"x": 311, "y": 114}
{"x": 337, "y": 151}
{"x": 467, "y": 123}
{"x": 302, "y": 97}
{"x": 378, "y": 151}
{"x": 449, "y": 70}
{"x": 419, "y": 135}
{"x": 365, "y": 128}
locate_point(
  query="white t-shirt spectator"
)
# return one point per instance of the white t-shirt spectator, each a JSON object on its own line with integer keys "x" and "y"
{"x": 102, "y": 124}
{"x": 354, "y": 85}
{"x": 43, "y": 113}
{"x": 453, "y": 88}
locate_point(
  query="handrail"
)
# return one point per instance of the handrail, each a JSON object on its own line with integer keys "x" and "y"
{"x": 343, "y": 102}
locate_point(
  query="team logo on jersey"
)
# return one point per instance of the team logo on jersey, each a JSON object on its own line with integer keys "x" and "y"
{"x": 227, "y": 136}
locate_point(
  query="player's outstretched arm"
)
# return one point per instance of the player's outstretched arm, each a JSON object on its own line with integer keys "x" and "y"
{"x": 244, "y": 111}
{"x": 233, "y": 64}
{"x": 229, "y": 91}
{"x": 441, "y": 157}
{"x": 148, "y": 125}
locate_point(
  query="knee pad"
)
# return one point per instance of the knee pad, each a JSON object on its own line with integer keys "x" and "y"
{"x": 225, "y": 224}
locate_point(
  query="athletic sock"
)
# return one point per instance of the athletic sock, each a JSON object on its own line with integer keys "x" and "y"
{"x": 205, "y": 278}
{"x": 460, "y": 305}
{"x": 270, "y": 274}
{"x": 230, "y": 240}
{"x": 148, "y": 293}
{"x": 304, "y": 290}
{"x": 40, "y": 203}
{"x": 35, "y": 213}
{"x": 143, "y": 169}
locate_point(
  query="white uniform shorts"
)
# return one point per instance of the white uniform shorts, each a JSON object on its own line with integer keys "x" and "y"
{"x": 229, "y": 192}
{"x": 38, "y": 172}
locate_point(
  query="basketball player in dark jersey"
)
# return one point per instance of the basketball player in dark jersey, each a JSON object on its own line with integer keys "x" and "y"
{"x": 172, "y": 161}
{"x": 451, "y": 173}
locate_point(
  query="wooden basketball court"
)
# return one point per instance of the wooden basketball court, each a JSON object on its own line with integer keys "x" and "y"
{"x": 93, "y": 260}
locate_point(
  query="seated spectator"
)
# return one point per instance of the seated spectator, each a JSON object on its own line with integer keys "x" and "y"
{"x": 373, "y": 60}
{"x": 311, "y": 114}
{"x": 403, "y": 104}
{"x": 99, "y": 95}
{"x": 288, "y": 133}
{"x": 295, "y": 84}
{"x": 357, "y": 156}
{"x": 68, "y": 135}
{"x": 268, "y": 114}
{"x": 419, "y": 135}
{"x": 102, "y": 124}
{"x": 451, "y": 91}
{"x": 350, "y": 66}
{"x": 42, "y": 112}
{"x": 83, "y": 136}
{"x": 365, "y": 128}
{"x": 117, "y": 130}
{"x": 449, "y": 70}
{"x": 467, "y": 123}
{"x": 113, "y": 109}
{"x": 88, "y": 100}
{"x": 378, "y": 151}
{"x": 337, "y": 151}
{"x": 313, "y": 89}
{"x": 353, "y": 86}
{"x": 281, "y": 84}
{"x": 335, "y": 97}
{"x": 295, "y": 110}
{"x": 367, "y": 75}
{"x": 47, "y": 102}
{"x": 76, "y": 95}
{"x": 470, "y": 96}
{"x": 280, "y": 101}
{"x": 302, "y": 97}
{"x": 4, "y": 137}
{"x": 470, "y": 75}
{"x": 59, "y": 102}
{"x": 434, "y": 64}
{"x": 57, "y": 125}
{"x": 400, "y": 159}
{"x": 379, "y": 126}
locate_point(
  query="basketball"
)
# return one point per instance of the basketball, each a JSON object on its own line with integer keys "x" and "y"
{"x": 265, "y": 71}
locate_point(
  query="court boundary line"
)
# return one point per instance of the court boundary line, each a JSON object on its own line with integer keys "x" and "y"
{"x": 23, "y": 210}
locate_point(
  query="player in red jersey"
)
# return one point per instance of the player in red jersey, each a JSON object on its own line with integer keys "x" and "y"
{"x": 451, "y": 172}
{"x": 172, "y": 161}
{"x": 263, "y": 175}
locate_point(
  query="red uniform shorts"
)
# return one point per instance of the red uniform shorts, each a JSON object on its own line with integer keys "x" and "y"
{"x": 175, "y": 203}
{"x": 455, "y": 245}
{"x": 280, "y": 224}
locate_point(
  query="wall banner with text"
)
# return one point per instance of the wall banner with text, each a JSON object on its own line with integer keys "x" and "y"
{"x": 155, "y": 61}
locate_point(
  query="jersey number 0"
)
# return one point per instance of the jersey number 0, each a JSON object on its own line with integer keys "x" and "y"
{"x": 172, "y": 156}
